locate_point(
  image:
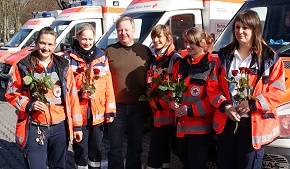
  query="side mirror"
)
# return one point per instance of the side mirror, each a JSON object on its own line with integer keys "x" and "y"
{"x": 64, "y": 46}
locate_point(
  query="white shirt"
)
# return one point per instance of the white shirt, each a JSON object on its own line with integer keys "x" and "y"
{"x": 236, "y": 64}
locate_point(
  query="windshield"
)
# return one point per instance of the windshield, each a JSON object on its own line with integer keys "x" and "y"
{"x": 274, "y": 17}
{"x": 18, "y": 38}
{"x": 59, "y": 26}
{"x": 143, "y": 26}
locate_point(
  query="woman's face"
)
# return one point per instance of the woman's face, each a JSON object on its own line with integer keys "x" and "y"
{"x": 86, "y": 39}
{"x": 192, "y": 49}
{"x": 159, "y": 41}
{"x": 243, "y": 34}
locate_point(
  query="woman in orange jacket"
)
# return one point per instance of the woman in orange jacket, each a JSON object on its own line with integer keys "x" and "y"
{"x": 94, "y": 85}
{"x": 246, "y": 124}
{"x": 43, "y": 90}
{"x": 163, "y": 117}
{"x": 195, "y": 115}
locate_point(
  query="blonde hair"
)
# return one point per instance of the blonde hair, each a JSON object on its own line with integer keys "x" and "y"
{"x": 195, "y": 35}
{"x": 125, "y": 18}
{"x": 86, "y": 26}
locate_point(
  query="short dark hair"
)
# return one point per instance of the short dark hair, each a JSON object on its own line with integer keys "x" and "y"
{"x": 45, "y": 30}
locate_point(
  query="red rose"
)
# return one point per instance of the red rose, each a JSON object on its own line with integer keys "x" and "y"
{"x": 39, "y": 68}
{"x": 29, "y": 69}
{"x": 242, "y": 69}
{"x": 166, "y": 76}
{"x": 164, "y": 72}
{"x": 248, "y": 70}
{"x": 80, "y": 69}
{"x": 150, "y": 72}
{"x": 96, "y": 71}
{"x": 179, "y": 76}
{"x": 235, "y": 72}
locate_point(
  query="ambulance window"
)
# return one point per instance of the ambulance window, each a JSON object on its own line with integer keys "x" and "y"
{"x": 18, "y": 38}
{"x": 178, "y": 24}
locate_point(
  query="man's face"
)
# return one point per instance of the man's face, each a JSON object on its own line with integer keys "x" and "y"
{"x": 126, "y": 33}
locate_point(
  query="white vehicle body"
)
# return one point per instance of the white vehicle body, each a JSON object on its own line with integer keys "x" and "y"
{"x": 212, "y": 15}
{"x": 101, "y": 14}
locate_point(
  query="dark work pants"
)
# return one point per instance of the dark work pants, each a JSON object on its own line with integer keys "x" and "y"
{"x": 193, "y": 150}
{"x": 129, "y": 121}
{"x": 236, "y": 150}
{"x": 160, "y": 146}
{"x": 54, "y": 150}
{"x": 88, "y": 151}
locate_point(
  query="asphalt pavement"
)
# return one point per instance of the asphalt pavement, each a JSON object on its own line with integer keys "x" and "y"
{"x": 11, "y": 156}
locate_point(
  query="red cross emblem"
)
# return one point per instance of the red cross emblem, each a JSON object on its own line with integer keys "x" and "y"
{"x": 195, "y": 91}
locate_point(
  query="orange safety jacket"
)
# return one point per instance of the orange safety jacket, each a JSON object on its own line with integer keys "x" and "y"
{"x": 268, "y": 81}
{"x": 195, "y": 73}
{"x": 103, "y": 105}
{"x": 162, "y": 114}
{"x": 63, "y": 103}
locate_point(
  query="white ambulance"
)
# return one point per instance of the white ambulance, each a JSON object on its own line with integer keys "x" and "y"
{"x": 211, "y": 15}
{"x": 99, "y": 13}
{"x": 25, "y": 36}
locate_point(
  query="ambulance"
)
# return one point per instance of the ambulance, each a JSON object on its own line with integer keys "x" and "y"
{"x": 101, "y": 14}
{"x": 212, "y": 15}
{"x": 275, "y": 18}
{"x": 26, "y": 34}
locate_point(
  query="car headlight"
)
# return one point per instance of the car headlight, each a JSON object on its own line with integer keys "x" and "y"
{"x": 284, "y": 119}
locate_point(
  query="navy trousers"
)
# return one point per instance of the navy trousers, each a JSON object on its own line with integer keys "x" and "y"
{"x": 129, "y": 121}
{"x": 54, "y": 150}
{"x": 193, "y": 150}
{"x": 236, "y": 150}
{"x": 159, "y": 153}
{"x": 88, "y": 151}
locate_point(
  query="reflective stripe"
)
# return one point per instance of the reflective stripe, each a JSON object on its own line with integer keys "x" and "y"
{"x": 18, "y": 139}
{"x": 215, "y": 125}
{"x": 80, "y": 167}
{"x": 199, "y": 76}
{"x": 266, "y": 138}
{"x": 98, "y": 116}
{"x": 68, "y": 109}
{"x": 94, "y": 164}
{"x": 55, "y": 100}
{"x": 164, "y": 119}
{"x": 147, "y": 167}
{"x": 111, "y": 105}
{"x": 213, "y": 77}
{"x": 190, "y": 99}
{"x": 20, "y": 101}
{"x": 216, "y": 99}
{"x": 200, "y": 109}
{"x": 166, "y": 165}
{"x": 11, "y": 90}
{"x": 73, "y": 90}
{"x": 77, "y": 117}
{"x": 279, "y": 85}
{"x": 206, "y": 127}
{"x": 263, "y": 102}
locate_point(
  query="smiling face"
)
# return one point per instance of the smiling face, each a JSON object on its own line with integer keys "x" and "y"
{"x": 86, "y": 39}
{"x": 159, "y": 41}
{"x": 192, "y": 49}
{"x": 243, "y": 34}
{"x": 45, "y": 46}
{"x": 125, "y": 33}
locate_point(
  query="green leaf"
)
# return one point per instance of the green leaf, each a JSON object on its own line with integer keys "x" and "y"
{"x": 163, "y": 88}
{"x": 48, "y": 83}
{"x": 31, "y": 86}
{"x": 27, "y": 80}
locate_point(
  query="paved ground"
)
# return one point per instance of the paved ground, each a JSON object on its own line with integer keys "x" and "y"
{"x": 11, "y": 153}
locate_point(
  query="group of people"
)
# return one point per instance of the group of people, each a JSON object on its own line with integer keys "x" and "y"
{"x": 123, "y": 72}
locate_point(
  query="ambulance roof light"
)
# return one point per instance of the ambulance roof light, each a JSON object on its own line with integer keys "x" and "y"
{"x": 80, "y": 3}
{"x": 46, "y": 14}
